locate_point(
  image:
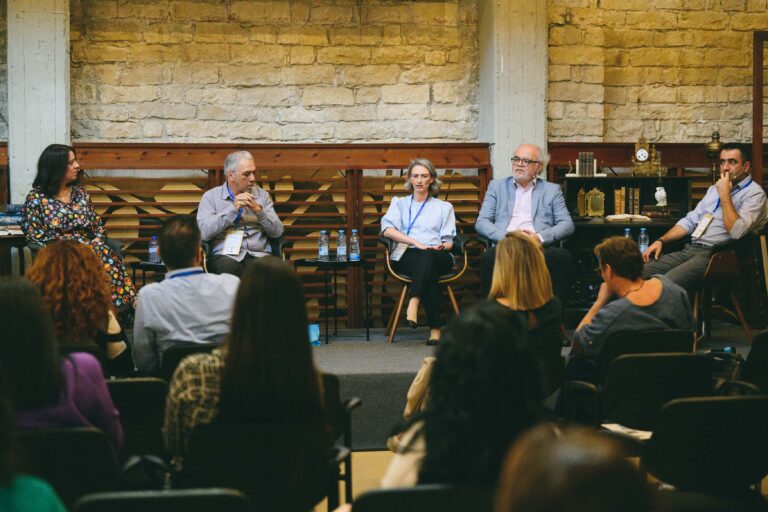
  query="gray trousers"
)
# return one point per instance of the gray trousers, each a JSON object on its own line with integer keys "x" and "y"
{"x": 685, "y": 268}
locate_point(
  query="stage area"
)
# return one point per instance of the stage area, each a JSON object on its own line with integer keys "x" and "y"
{"x": 376, "y": 372}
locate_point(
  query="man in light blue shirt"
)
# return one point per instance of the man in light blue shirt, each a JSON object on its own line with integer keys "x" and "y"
{"x": 731, "y": 208}
{"x": 190, "y": 306}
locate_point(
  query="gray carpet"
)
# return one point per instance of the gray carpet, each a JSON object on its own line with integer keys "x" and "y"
{"x": 376, "y": 372}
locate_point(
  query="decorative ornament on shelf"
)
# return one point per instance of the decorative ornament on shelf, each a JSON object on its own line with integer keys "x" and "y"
{"x": 712, "y": 149}
{"x": 595, "y": 203}
{"x": 660, "y": 196}
{"x": 646, "y": 160}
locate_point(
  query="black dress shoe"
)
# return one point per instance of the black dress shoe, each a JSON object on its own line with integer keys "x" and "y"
{"x": 411, "y": 324}
{"x": 431, "y": 342}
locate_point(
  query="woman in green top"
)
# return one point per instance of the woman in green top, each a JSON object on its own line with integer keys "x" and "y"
{"x": 20, "y": 493}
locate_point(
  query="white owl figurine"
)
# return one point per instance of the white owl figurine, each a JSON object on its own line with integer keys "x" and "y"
{"x": 661, "y": 196}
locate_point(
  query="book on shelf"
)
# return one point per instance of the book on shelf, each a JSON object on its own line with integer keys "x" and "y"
{"x": 627, "y": 217}
{"x": 636, "y": 201}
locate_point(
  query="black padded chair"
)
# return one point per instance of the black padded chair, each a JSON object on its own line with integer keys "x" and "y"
{"x": 458, "y": 250}
{"x": 755, "y": 370}
{"x": 715, "y": 445}
{"x": 141, "y": 403}
{"x": 260, "y": 459}
{"x": 75, "y": 461}
{"x": 187, "y": 500}
{"x": 421, "y": 498}
{"x": 339, "y": 417}
{"x": 173, "y": 356}
{"x": 638, "y": 386}
{"x": 547, "y": 352}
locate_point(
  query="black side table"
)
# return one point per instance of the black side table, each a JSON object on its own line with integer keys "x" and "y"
{"x": 330, "y": 267}
{"x": 144, "y": 266}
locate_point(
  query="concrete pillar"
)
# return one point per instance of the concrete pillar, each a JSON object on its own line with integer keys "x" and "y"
{"x": 513, "y": 77}
{"x": 38, "y": 85}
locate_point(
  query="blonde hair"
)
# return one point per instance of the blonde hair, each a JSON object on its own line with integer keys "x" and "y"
{"x": 434, "y": 187}
{"x": 520, "y": 274}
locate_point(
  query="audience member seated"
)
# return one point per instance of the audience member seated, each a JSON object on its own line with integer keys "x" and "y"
{"x": 730, "y": 209}
{"x": 48, "y": 390}
{"x": 18, "y": 492}
{"x": 189, "y": 306}
{"x": 59, "y": 208}
{"x": 264, "y": 371}
{"x": 483, "y": 394}
{"x": 522, "y": 285}
{"x": 626, "y": 301}
{"x": 424, "y": 226}
{"x": 238, "y": 217}
{"x": 76, "y": 293}
{"x": 550, "y": 469}
{"x": 526, "y": 202}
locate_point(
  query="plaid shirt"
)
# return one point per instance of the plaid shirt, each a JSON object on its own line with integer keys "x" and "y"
{"x": 193, "y": 399}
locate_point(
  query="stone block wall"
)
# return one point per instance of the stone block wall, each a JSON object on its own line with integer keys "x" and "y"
{"x": 282, "y": 70}
{"x": 672, "y": 69}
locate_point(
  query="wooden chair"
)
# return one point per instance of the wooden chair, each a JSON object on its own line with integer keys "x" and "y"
{"x": 723, "y": 272}
{"x": 459, "y": 250}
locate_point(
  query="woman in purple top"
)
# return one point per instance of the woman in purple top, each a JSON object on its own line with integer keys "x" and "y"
{"x": 48, "y": 391}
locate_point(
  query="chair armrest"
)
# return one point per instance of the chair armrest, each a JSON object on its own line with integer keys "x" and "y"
{"x": 387, "y": 242}
{"x": 206, "y": 244}
{"x": 737, "y": 388}
{"x": 460, "y": 242}
{"x": 337, "y": 454}
{"x": 484, "y": 241}
{"x": 577, "y": 392}
{"x": 352, "y": 403}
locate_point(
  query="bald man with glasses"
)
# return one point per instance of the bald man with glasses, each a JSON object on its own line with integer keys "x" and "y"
{"x": 525, "y": 202}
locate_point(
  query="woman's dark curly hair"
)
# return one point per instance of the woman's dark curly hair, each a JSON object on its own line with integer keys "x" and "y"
{"x": 483, "y": 394}
{"x": 51, "y": 168}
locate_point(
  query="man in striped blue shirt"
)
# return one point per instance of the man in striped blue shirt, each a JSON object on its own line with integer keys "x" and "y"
{"x": 730, "y": 209}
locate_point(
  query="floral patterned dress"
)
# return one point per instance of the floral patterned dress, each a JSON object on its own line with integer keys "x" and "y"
{"x": 44, "y": 219}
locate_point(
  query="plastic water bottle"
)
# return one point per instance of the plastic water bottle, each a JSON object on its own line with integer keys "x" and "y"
{"x": 341, "y": 246}
{"x": 642, "y": 240}
{"x": 322, "y": 245}
{"x": 154, "y": 252}
{"x": 354, "y": 246}
{"x": 627, "y": 233}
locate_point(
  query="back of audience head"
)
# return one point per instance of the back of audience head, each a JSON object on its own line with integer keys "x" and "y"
{"x": 622, "y": 255}
{"x": 483, "y": 393}
{"x": 180, "y": 242}
{"x": 551, "y": 469}
{"x": 269, "y": 371}
{"x": 520, "y": 274}
{"x": 74, "y": 287}
{"x": 28, "y": 352}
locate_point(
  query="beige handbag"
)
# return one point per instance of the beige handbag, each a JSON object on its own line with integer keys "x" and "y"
{"x": 419, "y": 390}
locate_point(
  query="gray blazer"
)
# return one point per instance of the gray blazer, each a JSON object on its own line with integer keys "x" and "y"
{"x": 550, "y": 215}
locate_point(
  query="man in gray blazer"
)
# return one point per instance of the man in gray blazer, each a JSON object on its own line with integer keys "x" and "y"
{"x": 524, "y": 202}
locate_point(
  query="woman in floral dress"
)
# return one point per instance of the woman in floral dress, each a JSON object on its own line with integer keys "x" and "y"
{"x": 59, "y": 208}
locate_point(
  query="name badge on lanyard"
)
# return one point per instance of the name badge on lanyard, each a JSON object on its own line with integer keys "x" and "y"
{"x": 401, "y": 247}
{"x": 233, "y": 242}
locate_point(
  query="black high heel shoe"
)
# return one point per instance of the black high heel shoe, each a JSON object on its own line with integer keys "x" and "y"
{"x": 411, "y": 324}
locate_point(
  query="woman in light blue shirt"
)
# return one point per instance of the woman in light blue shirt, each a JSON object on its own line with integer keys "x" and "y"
{"x": 428, "y": 226}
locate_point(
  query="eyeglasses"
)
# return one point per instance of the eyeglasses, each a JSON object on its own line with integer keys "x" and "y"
{"x": 523, "y": 162}
{"x": 729, "y": 161}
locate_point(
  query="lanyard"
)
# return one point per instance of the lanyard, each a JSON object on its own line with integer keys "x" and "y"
{"x": 412, "y": 222}
{"x": 187, "y": 273}
{"x": 240, "y": 211}
{"x": 738, "y": 187}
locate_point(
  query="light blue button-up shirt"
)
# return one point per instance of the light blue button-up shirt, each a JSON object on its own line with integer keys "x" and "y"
{"x": 436, "y": 223}
{"x": 749, "y": 202}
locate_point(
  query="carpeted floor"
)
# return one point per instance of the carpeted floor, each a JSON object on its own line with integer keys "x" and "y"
{"x": 376, "y": 372}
